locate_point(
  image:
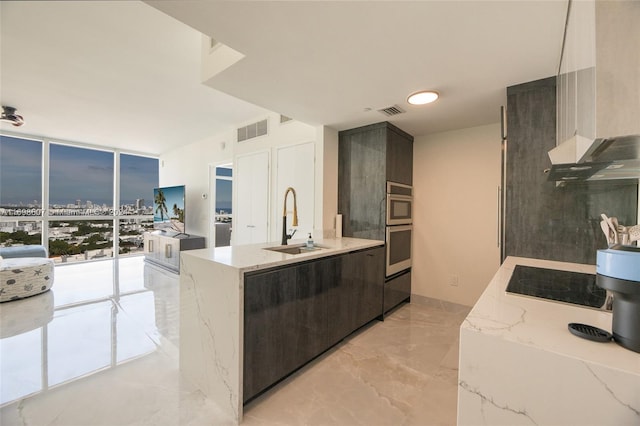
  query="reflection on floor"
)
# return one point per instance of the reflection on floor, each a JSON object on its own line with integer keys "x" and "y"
{"x": 101, "y": 348}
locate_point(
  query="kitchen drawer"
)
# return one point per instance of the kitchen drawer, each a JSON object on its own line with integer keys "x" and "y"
{"x": 397, "y": 290}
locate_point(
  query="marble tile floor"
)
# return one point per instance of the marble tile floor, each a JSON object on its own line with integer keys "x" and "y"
{"x": 101, "y": 348}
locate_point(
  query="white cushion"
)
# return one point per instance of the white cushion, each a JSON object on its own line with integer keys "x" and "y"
{"x": 25, "y": 276}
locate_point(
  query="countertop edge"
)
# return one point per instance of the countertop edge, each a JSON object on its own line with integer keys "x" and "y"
{"x": 542, "y": 324}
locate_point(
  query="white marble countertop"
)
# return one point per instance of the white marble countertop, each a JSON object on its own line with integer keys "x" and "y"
{"x": 542, "y": 324}
{"x": 254, "y": 256}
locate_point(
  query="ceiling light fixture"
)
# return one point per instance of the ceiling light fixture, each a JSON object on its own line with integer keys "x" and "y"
{"x": 9, "y": 114}
{"x": 423, "y": 97}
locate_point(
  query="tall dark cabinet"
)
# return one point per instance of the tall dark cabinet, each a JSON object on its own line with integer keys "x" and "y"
{"x": 546, "y": 221}
{"x": 369, "y": 156}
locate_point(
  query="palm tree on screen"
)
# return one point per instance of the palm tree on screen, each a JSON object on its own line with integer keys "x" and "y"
{"x": 161, "y": 203}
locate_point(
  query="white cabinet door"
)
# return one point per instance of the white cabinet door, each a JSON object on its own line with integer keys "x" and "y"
{"x": 296, "y": 169}
{"x": 151, "y": 246}
{"x": 171, "y": 252}
{"x": 251, "y": 209}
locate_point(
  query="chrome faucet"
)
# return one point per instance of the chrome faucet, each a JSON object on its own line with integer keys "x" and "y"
{"x": 286, "y": 236}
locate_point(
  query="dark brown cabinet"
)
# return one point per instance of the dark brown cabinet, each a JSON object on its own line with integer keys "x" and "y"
{"x": 270, "y": 315}
{"x": 292, "y": 314}
{"x": 396, "y": 290}
{"x": 356, "y": 297}
{"x": 364, "y": 273}
{"x": 368, "y": 157}
{"x": 399, "y": 156}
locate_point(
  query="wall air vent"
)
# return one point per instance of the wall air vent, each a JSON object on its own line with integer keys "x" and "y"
{"x": 392, "y": 110}
{"x": 252, "y": 130}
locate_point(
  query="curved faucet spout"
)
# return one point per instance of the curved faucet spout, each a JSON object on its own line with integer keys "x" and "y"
{"x": 295, "y": 205}
{"x": 285, "y": 236}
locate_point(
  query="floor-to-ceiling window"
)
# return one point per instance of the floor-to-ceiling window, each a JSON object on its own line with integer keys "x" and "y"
{"x": 21, "y": 212}
{"x": 84, "y": 203}
{"x": 81, "y": 203}
{"x": 138, "y": 177}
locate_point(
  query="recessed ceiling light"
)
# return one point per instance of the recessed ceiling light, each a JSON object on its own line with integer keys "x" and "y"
{"x": 423, "y": 97}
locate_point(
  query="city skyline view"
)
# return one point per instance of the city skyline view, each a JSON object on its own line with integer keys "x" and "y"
{"x": 80, "y": 185}
{"x": 80, "y": 222}
{"x": 74, "y": 174}
{"x": 224, "y": 189}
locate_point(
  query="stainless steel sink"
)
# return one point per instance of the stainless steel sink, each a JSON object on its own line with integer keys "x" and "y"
{"x": 294, "y": 249}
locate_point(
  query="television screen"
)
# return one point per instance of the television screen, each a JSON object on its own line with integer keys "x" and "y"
{"x": 168, "y": 208}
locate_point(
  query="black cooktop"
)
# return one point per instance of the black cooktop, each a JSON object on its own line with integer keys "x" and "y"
{"x": 562, "y": 286}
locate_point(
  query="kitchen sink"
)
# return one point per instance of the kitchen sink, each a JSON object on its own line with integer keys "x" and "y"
{"x": 294, "y": 249}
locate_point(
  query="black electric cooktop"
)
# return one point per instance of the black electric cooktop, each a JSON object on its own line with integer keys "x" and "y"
{"x": 562, "y": 286}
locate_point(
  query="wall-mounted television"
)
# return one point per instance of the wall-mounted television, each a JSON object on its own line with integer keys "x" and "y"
{"x": 168, "y": 208}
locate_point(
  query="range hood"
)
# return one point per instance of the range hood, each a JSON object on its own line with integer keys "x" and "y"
{"x": 580, "y": 159}
{"x": 598, "y": 89}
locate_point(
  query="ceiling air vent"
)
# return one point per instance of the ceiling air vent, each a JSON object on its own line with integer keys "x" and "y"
{"x": 252, "y": 130}
{"x": 392, "y": 110}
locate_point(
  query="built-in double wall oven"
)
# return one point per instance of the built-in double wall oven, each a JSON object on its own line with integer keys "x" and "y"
{"x": 399, "y": 227}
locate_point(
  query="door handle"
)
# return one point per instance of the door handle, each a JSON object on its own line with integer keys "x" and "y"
{"x": 499, "y": 214}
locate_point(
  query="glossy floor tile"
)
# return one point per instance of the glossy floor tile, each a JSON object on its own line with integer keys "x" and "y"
{"x": 402, "y": 371}
{"x": 101, "y": 348}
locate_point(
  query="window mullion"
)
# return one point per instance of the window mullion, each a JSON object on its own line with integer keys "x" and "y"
{"x": 45, "y": 194}
{"x": 116, "y": 203}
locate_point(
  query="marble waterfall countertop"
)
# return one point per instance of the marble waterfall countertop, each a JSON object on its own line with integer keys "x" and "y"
{"x": 257, "y": 256}
{"x": 212, "y": 311}
{"x": 519, "y": 364}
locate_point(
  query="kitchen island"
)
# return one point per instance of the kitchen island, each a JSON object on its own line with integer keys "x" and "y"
{"x": 213, "y": 283}
{"x": 519, "y": 364}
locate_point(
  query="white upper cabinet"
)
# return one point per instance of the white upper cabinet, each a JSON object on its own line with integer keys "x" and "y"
{"x": 617, "y": 68}
{"x": 598, "y": 90}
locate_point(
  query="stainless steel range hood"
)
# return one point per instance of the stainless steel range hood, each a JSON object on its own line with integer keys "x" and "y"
{"x": 598, "y": 87}
{"x": 580, "y": 158}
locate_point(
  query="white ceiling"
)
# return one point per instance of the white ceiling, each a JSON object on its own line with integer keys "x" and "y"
{"x": 124, "y": 74}
{"x": 111, "y": 73}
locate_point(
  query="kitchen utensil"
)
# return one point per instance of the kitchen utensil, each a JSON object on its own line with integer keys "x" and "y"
{"x": 614, "y": 229}
{"x": 607, "y": 231}
{"x": 589, "y": 332}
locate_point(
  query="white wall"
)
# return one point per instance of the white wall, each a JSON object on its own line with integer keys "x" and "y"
{"x": 456, "y": 176}
{"x": 189, "y": 165}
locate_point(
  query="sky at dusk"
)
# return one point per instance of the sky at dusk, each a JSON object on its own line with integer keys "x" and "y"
{"x": 74, "y": 174}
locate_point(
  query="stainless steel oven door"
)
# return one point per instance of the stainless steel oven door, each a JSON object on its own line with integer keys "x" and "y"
{"x": 399, "y": 209}
{"x": 399, "y": 189}
{"x": 398, "y": 248}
